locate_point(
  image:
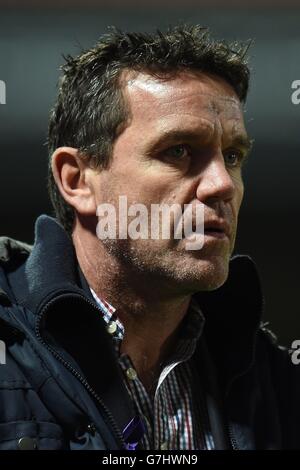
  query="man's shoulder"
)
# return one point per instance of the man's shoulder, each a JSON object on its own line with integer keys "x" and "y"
{"x": 12, "y": 250}
{"x": 13, "y": 253}
{"x": 269, "y": 342}
{"x": 279, "y": 358}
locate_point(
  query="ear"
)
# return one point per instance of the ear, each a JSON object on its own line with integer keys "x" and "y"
{"x": 70, "y": 174}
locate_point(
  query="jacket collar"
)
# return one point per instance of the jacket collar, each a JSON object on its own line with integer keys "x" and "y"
{"x": 50, "y": 267}
{"x": 233, "y": 315}
{"x": 232, "y": 312}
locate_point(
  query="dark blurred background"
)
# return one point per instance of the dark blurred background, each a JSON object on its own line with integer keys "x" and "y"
{"x": 33, "y": 38}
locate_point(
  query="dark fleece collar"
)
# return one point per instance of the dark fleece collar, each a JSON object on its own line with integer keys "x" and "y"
{"x": 232, "y": 312}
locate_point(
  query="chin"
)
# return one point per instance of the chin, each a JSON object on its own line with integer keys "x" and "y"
{"x": 203, "y": 275}
{"x": 213, "y": 282}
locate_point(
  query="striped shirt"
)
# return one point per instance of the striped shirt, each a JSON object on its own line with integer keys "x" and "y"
{"x": 175, "y": 417}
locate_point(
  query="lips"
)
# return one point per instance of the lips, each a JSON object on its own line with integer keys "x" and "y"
{"x": 216, "y": 227}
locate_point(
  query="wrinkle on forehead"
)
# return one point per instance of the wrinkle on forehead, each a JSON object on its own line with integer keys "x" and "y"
{"x": 204, "y": 93}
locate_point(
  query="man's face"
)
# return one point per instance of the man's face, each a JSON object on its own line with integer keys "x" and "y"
{"x": 185, "y": 142}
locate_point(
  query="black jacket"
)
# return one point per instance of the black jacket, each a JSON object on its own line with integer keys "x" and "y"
{"x": 61, "y": 387}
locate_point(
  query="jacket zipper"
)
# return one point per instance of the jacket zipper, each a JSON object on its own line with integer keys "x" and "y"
{"x": 108, "y": 414}
{"x": 232, "y": 439}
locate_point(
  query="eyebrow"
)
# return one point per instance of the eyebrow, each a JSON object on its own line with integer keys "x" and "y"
{"x": 240, "y": 140}
{"x": 244, "y": 141}
{"x": 177, "y": 135}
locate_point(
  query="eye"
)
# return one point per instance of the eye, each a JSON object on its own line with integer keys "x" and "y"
{"x": 178, "y": 152}
{"x": 233, "y": 157}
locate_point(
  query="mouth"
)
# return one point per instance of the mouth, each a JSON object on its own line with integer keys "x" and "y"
{"x": 216, "y": 229}
{"x": 215, "y": 232}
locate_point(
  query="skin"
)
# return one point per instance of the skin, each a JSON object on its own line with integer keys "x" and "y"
{"x": 185, "y": 142}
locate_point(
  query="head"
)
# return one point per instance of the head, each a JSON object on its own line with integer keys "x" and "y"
{"x": 158, "y": 119}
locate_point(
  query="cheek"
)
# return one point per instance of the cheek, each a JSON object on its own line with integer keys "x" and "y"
{"x": 239, "y": 190}
{"x": 149, "y": 185}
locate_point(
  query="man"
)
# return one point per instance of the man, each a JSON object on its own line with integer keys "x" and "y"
{"x": 141, "y": 343}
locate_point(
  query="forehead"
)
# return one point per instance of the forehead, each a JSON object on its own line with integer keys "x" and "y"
{"x": 190, "y": 98}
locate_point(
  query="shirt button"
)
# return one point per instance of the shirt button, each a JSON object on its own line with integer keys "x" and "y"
{"x": 112, "y": 327}
{"x": 131, "y": 373}
{"x": 164, "y": 446}
{"x": 27, "y": 443}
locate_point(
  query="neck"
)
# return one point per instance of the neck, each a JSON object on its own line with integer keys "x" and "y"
{"x": 150, "y": 313}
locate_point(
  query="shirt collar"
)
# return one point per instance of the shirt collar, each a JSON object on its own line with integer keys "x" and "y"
{"x": 191, "y": 328}
{"x": 109, "y": 315}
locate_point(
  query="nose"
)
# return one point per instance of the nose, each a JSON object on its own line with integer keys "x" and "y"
{"x": 215, "y": 182}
